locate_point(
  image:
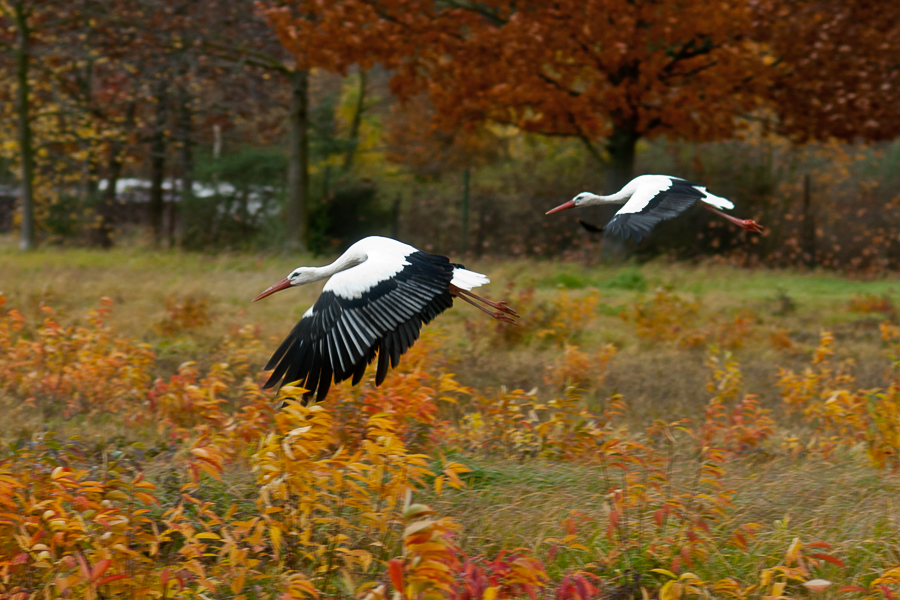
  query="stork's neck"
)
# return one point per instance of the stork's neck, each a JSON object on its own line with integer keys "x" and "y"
{"x": 617, "y": 198}
{"x": 346, "y": 261}
{"x": 621, "y": 196}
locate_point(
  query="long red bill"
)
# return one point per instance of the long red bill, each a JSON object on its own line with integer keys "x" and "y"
{"x": 281, "y": 285}
{"x": 569, "y": 204}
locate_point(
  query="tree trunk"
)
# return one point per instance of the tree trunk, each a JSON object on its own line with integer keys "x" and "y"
{"x": 107, "y": 209}
{"x": 809, "y": 225}
{"x": 298, "y": 168}
{"x": 158, "y": 161}
{"x": 395, "y": 216}
{"x": 185, "y": 119}
{"x": 23, "y": 108}
{"x": 621, "y": 147}
{"x": 356, "y": 122}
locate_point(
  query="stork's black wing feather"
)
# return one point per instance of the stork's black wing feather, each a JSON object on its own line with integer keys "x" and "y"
{"x": 590, "y": 227}
{"x": 665, "y": 205}
{"x": 341, "y": 336}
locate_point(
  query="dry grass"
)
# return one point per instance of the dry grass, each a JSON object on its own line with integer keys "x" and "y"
{"x": 510, "y": 503}
{"x": 655, "y": 378}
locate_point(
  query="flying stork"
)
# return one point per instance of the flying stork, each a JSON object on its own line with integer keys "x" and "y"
{"x": 650, "y": 199}
{"x": 379, "y": 294}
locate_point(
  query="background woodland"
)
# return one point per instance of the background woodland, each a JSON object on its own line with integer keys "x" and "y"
{"x": 452, "y": 124}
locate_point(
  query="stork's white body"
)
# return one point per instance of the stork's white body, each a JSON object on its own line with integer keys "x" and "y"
{"x": 638, "y": 193}
{"x": 378, "y": 295}
{"x": 649, "y": 199}
{"x": 376, "y": 259}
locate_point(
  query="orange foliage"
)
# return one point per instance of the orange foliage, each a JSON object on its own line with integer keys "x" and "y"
{"x": 579, "y": 369}
{"x": 559, "y": 320}
{"x": 332, "y": 511}
{"x": 184, "y": 314}
{"x": 89, "y": 368}
{"x": 841, "y": 415}
{"x": 668, "y": 317}
{"x": 586, "y": 69}
{"x": 733, "y": 423}
{"x": 871, "y": 303}
{"x": 833, "y": 79}
{"x": 663, "y": 317}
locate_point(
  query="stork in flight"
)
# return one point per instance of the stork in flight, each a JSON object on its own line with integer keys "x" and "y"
{"x": 649, "y": 199}
{"x": 379, "y": 294}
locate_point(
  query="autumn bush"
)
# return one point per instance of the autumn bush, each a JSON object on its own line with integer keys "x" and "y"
{"x": 246, "y": 493}
{"x": 82, "y": 368}
{"x": 666, "y": 316}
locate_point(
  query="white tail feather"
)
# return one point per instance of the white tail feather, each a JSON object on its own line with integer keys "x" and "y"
{"x": 714, "y": 200}
{"x": 466, "y": 280}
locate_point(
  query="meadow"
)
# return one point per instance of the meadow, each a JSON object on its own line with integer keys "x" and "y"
{"x": 655, "y": 430}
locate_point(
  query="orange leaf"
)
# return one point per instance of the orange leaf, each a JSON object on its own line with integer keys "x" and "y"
{"x": 829, "y": 558}
{"x": 100, "y": 568}
{"x": 395, "y": 569}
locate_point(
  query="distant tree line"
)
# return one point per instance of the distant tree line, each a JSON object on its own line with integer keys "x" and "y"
{"x": 93, "y": 90}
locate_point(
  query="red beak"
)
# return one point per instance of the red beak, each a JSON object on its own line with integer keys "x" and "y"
{"x": 281, "y": 285}
{"x": 569, "y": 204}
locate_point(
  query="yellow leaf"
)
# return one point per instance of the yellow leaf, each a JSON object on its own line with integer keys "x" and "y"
{"x": 817, "y": 585}
{"x": 490, "y": 593}
{"x": 670, "y": 591}
{"x": 275, "y": 534}
{"x": 665, "y": 572}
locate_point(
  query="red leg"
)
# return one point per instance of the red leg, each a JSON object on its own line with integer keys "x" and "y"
{"x": 500, "y": 316}
{"x": 748, "y": 224}
{"x": 501, "y": 306}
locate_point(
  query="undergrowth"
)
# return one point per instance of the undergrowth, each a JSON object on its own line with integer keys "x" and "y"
{"x": 239, "y": 500}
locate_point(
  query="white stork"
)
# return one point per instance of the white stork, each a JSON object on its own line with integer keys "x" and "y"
{"x": 650, "y": 199}
{"x": 379, "y": 294}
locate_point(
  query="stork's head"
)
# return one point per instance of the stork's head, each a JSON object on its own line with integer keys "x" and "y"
{"x": 299, "y": 276}
{"x": 582, "y": 199}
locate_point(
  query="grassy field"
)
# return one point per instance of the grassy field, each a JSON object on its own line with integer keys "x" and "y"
{"x": 630, "y": 457}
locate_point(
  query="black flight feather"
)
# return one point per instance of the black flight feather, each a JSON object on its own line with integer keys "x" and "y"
{"x": 341, "y": 336}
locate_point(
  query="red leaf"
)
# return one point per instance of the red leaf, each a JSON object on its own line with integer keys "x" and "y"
{"x": 82, "y": 564}
{"x": 395, "y": 568}
{"x": 100, "y": 568}
{"x": 829, "y": 558}
{"x": 658, "y": 516}
{"x": 112, "y": 578}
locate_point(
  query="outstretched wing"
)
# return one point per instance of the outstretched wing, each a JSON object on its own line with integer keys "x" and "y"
{"x": 339, "y": 336}
{"x": 589, "y": 227}
{"x": 652, "y": 204}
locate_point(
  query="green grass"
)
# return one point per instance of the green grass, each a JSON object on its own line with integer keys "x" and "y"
{"x": 655, "y": 380}
{"x": 508, "y": 503}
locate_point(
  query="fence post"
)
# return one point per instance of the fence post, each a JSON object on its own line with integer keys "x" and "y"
{"x": 465, "y": 212}
{"x": 395, "y": 217}
{"x": 809, "y": 225}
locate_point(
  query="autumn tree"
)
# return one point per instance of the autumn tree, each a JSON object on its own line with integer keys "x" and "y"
{"x": 331, "y": 36}
{"x": 612, "y": 70}
{"x": 836, "y": 67}
{"x": 26, "y": 25}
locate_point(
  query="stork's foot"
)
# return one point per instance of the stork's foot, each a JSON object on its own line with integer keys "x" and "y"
{"x": 503, "y": 317}
{"x": 750, "y": 225}
{"x": 502, "y": 306}
{"x": 747, "y": 224}
{"x": 503, "y": 313}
